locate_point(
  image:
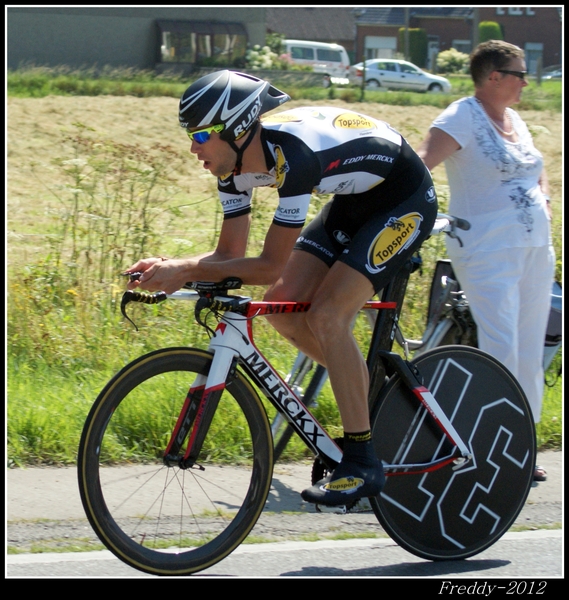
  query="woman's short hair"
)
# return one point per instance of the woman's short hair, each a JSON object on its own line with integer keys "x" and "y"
{"x": 491, "y": 56}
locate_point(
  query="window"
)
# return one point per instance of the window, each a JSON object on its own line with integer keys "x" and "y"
{"x": 389, "y": 66}
{"x": 463, "y": 46}
{"x": 328, "y": 55}
{"x": 407, "y": 68}
{"x": 201, "y": 43}
{"x": 301, "y": 53}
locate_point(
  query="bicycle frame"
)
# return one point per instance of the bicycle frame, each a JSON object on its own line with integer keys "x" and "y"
{"x": 232, "y": 344}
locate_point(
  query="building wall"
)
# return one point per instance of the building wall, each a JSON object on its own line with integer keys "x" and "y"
{"x": 118, "y": 37}
{"x": 530, "y": 24}
{"x": 525, "y": 25}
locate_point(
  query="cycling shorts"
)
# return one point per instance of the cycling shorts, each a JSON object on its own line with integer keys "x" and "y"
{"x": 374, "y": 232}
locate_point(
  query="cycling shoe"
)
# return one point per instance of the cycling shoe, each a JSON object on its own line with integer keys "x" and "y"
{"x": 347, "y": 483}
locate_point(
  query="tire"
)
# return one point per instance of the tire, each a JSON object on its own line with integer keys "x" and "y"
{"x": 373, "y": 84}
{"x": 281, "y": 430}
{"x": 435, "y": 88}
{"x": 451, "y": 514}
{"x": 167, "y": 520}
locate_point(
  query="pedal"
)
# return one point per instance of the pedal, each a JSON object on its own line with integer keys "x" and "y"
{"x": 338, "y": 510}
{"x": 360, "y": 506}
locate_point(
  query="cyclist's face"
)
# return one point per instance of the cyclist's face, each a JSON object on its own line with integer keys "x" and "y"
{"x": 217, "y": 155}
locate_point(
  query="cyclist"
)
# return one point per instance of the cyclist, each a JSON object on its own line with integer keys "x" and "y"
{"x": 383, "y": 207}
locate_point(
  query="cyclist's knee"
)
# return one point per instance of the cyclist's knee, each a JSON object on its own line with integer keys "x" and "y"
{"x": 325, "y": 322}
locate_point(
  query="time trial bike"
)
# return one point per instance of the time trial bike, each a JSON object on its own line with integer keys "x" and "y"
{"x": 452, "y": 427}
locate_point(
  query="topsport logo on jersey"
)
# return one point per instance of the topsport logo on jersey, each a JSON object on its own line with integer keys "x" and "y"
{"x": 350, "y": 120}
{"x": 397, "y": 235}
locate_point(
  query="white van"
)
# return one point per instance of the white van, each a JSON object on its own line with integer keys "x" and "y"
{"x": 329, "y": 59}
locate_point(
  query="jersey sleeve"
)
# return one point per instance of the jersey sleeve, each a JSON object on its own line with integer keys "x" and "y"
{"x": 297, "y": 172}
{"x": 292, "y": 210}
{"x": 234, "y": 202}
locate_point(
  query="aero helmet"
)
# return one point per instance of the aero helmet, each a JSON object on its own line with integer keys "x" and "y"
{"x": 233, "y": 99}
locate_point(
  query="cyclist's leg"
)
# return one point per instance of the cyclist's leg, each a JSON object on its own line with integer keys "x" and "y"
{"x": 325, "y": 332}
{"x": 376, "y": 253}
{"x": 299, "y": 281}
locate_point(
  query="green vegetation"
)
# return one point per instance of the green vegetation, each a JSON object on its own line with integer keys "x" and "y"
{"x": 38, "y": 82}
{"x": 115, "y": 202}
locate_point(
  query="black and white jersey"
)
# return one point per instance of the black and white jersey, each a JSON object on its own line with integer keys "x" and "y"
{"x": 321, "y": 150}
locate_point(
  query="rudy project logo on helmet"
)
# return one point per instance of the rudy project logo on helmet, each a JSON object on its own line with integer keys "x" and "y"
{"x": 228, "y": 115}
{"x": 397, "y": 235}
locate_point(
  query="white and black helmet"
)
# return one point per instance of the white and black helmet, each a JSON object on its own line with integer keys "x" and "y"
{"x": 233, "y": 99}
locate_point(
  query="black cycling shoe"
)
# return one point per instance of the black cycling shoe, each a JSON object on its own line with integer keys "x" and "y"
{"x": 347, "y": 483}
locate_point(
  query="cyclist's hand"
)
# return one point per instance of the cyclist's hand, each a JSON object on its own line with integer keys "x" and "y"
{"x": 138, "y": 269}
{"x": 159, "y": 274}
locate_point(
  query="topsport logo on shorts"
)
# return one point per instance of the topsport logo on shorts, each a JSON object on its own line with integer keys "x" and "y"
{"x": 397, "y": 235}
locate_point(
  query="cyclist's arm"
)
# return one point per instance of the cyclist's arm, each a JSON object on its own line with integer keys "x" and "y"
{"x": 226, "y": 261}
{"x": 437, "y": 147}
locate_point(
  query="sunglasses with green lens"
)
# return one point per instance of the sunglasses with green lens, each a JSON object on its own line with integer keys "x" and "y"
{"x": 202, "y": 136}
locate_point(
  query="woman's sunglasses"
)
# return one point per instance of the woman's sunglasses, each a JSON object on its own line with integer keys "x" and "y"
{"x": 203, "y": 135}
{"x": 518, "y": 74}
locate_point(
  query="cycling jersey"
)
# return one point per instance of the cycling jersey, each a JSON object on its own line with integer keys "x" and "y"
{"x": 323, "y": 150}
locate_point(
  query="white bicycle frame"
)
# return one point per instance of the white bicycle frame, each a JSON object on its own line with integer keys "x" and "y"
{"x": 233, "y": 342}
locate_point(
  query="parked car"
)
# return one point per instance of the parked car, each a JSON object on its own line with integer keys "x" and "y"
{"x": 557, "y": 74}
{"x": 398, "y": 75}
{"x": 331, "y": 60}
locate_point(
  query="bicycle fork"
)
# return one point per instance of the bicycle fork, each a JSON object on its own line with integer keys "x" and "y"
{"x": 198, "y": 411}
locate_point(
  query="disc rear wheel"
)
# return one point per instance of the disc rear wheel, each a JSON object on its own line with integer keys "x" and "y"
{"x": 454, "y": 513}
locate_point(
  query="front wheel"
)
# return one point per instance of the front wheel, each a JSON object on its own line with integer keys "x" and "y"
{"x": 446, "y": 513}
{"x": 168, "y": 520}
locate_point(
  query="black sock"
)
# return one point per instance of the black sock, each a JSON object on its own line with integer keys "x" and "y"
{"x": 358, "y": 437}
{"x": 358, "y": 448}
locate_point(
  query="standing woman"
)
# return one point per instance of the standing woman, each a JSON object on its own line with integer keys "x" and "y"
{"x": 498, "y": 183}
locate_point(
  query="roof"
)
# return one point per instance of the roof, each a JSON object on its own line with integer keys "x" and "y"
{"x": 396, "y": 16}
{"x": 318, "y": 23}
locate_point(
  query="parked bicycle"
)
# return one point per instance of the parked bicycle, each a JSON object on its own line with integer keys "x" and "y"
{"x": 453, "y": 429}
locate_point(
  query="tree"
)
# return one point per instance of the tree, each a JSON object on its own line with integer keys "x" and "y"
{"x": 489, "y": 30}
{"x": 418, "y": 45}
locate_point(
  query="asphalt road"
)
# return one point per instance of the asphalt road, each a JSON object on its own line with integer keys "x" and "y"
{"x": 43, "y": 507}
